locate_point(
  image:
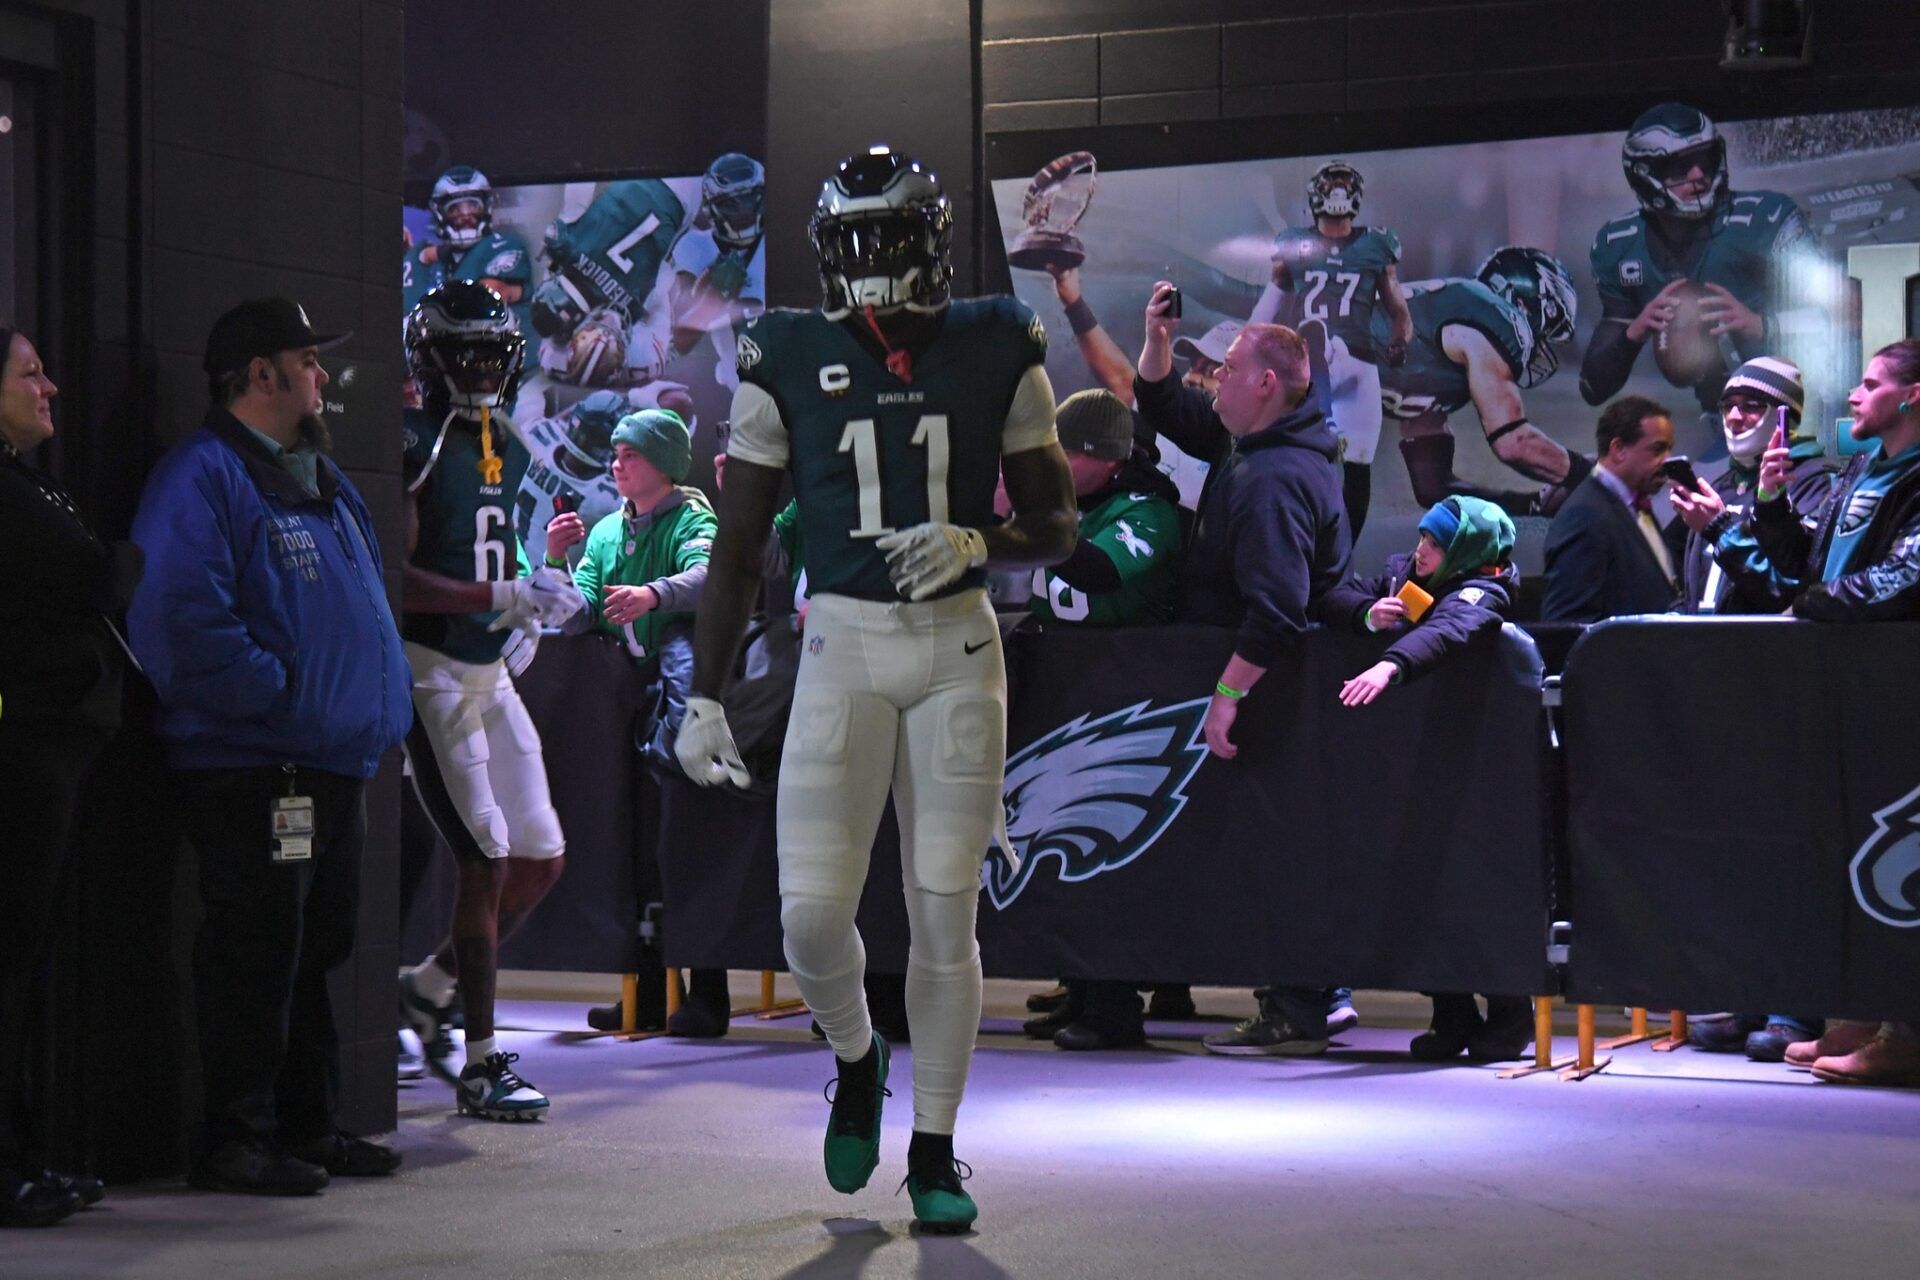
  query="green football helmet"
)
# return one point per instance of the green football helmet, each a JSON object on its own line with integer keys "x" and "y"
{"x": 1666, "y": 143}
{"x": 1537, "y": 285}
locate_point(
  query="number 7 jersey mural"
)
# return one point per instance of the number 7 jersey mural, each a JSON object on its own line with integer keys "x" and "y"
{"x": 871, "y": 453}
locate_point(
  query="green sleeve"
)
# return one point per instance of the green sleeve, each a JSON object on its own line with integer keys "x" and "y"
{"x": 695, "y": 538}
{"x": 590, "y": 574}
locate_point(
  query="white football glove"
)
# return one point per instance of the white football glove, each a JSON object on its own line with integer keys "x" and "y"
{"x": 705, "y": 745}
{"x": 522, "y": 642}
{"x": 546, "y": 596}
{"x": 927, "y": 557}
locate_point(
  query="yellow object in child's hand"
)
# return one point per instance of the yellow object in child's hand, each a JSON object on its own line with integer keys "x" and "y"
{"x": 1416, "y": 599}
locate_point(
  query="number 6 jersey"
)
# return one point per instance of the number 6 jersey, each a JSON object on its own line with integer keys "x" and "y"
{"x": 466, "y": 525}
{"x": 871, "y": 453}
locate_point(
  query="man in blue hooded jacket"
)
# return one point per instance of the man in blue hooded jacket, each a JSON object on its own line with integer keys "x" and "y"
{"x": 264, "y": 625}
{"x": 1271, "y": 538}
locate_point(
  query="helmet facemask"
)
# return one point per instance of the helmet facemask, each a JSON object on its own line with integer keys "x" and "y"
{"x": 1334, "y": 192}
{"x": 463, "y": 346}
{"x": 474, "y": 371}
{"x": 882, "y": 231}
{"x": 733, "y": 192}
{"x": 1665, "y": 144}
{"x": 467, "y": 192}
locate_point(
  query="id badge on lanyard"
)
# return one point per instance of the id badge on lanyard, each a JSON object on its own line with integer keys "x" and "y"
{"x": 291, "y": 831}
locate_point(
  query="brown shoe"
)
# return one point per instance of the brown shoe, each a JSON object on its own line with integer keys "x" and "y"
{"x": 1839, "y": 1039}
{"x": 1882, "y": 1061}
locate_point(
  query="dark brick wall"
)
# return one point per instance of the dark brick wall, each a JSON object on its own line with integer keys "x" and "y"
{"x": 843, "y": 75}
{"x": 616, "y": 88}
{"x": 235, "y": 149}
{"x": 1049, "y": 64}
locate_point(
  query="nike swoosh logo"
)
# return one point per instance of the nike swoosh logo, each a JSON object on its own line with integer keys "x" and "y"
{"x": 975, "y": 648}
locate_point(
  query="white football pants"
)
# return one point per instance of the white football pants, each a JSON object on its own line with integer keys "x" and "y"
{"x": 1354, "y": 389}
{"x": 476, "y": 758}
{"x": 912, "y": 697}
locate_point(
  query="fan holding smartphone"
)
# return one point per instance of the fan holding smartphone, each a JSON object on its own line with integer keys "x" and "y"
{"x": 1760, "y": 416}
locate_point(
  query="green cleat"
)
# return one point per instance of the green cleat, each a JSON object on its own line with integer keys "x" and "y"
{"x": 853, "y": 1130}
{"x": 941, "y": 1206}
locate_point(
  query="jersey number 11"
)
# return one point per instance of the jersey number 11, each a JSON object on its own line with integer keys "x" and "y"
{"x": 862, "y": 441}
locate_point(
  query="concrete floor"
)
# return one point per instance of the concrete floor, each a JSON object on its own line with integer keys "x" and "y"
{"x": 701, "y": 1159}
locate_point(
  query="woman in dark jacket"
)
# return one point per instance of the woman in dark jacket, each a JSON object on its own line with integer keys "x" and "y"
{"x": 61, "y": 667}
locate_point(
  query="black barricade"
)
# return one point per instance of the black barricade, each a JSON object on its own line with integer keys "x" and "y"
{"x": 1743, "y": 798}
{"x": 1397, "y": 845}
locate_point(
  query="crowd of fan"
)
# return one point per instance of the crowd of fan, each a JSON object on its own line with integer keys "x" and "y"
{"x": 1268, "y": 554}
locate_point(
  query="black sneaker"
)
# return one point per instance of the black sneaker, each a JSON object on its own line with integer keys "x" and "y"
{"x": 28, "y": 1203}
{"x": 1723, "y": 1032}
{"x": 433, "y": 1024}
{"x": 1049, "y": 1024}
{"x": 1769, "y": 1043}
{"x": 609, "y": 1017}
{"x": 1456, "y": 1020}
{"x": 700, "y": 1020}
{"x": 492, "y": 1090}
{"x": 91, "y": 1191}
{"x": 252, "y": 1167}
{"x": 1171, "y": 1003}
{"x": 1047, "y": 1001}
{"x": 1507, "y": 1033}
{"x": 1090, "y": 1032}
{"x": 344, "y": 1156}
{"x": 1265, "y": 1034}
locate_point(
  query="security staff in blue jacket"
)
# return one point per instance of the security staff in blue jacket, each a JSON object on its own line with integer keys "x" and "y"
{"x": 263, "y": 623}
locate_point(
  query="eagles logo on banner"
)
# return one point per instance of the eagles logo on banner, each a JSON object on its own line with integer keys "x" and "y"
{"x": 1095, "y": 794}
{"x": 1886, "y": 870}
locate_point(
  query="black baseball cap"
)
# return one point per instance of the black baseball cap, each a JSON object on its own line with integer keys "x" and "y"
{"x": 262, "y": 327}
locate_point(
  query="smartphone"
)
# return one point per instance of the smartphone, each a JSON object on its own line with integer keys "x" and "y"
{"x": 1173, "y": 302}
{"x": 565, "y": 502}
{"x": 1679, "y": 469}
{"x": 1780, "y": 430}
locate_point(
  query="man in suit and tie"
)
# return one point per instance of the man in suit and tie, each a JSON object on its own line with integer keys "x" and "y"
{"x": 1606, "y": 556}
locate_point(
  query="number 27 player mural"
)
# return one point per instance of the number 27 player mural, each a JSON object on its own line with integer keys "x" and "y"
{"x": 1495, "y": 293}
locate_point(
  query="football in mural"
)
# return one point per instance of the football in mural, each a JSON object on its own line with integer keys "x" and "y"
{"x": 1686, "y": 350}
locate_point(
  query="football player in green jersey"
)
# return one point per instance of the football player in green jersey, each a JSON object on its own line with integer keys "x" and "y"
{"x": 469, "y": 248}
{"x": 469, "y": 619}
{"x": 601, "y": 266}
{"x": 894, "y": 407}
{"x": 1334, "y": 271}
{"x": 1481, "y": 342}
{"x": 1690, "y": 227}
{"x": 715, "y": 276}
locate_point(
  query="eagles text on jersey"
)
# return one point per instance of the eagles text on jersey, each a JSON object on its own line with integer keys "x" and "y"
{"x": 870, "y": 453}
{"x": 466, "y": 527}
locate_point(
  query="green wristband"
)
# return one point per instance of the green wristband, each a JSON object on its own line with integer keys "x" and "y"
{"x": 1226, "y": 690}
{"x": 561, "y": 563}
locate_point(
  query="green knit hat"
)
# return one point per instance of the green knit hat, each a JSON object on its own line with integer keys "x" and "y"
{"x": 661, "y": 437}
